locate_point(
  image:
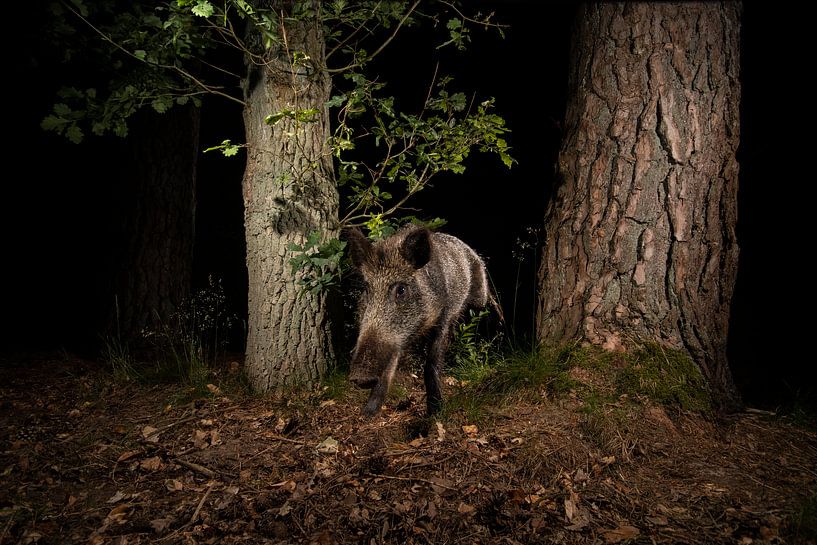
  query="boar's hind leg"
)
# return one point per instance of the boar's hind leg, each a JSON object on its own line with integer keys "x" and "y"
{"x": 431, "y": 372}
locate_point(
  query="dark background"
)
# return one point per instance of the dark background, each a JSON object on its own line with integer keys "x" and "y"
{"x": 61, "y": 203}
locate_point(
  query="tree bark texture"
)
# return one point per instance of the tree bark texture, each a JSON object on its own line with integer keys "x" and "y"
{"x": 155, "y": 265}
{"x": 289, "y": 191}
{"x": 640, "y": 237}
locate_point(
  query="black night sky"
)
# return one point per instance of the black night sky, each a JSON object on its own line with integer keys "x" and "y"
{"x": 60, "y": 202}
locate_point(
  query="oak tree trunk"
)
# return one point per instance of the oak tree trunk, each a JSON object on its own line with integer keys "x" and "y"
{"x": 155, "y": 263}
{"x": 289, "y": 191}
{"x": 640, "y": 237}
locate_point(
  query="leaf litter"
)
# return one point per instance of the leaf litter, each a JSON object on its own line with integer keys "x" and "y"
{"x": 132, "y": 466}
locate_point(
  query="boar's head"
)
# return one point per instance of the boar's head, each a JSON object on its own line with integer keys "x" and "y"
{"x": 394, "y": 307}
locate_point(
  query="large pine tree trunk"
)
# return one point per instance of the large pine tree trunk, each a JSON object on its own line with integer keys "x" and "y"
{"x": 155, "y": 264}
{"x": 289, "y": 191}
{"x": 641, "y": 234}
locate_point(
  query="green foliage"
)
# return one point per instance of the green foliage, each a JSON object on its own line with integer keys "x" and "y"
{"x": 159, "y": 56}
{"x": 415, "y": 147}
{"x": 227, "y": 148}
{"x": 138, "y": 54}
{"x": 471, "y": 354}
{"x": 317, "y": 262}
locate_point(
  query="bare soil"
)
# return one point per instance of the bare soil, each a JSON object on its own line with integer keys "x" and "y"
{"x": 84, "y": 459}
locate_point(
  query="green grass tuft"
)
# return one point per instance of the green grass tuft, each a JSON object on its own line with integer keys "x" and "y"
{"x": 335, "y": 384}
{"x": 594, "y": 376}
{"x": 666, "y": 376}
{"x": 804, "y": 522}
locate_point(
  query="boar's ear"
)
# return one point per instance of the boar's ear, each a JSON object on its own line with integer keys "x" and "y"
{"x": 416, "y": 248}
{"x": 360, "y": 248}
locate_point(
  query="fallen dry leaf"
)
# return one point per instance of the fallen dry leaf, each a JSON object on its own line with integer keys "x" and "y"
{"x": 440, "y": 485}
{"x": 571, "y": 506}
{"x": 174, "y": 485}
{"x": 160, "y": 525}
{"x": 470, "y": 429}
{"x": 151, "y": 464}
{"x": 328, "y": 446}
{"x": 465, "y": 509}
{"x": 118, "y": 514}
{"x": 620, "y": 534}
{"x": 440, "y": 432}
{"x": 150, "y": 434}
{"x": 128, "y": 455}
{"x": 215, "y": 390}
{"x": 416, "y": 443}
{"x": 31, "y": 536}
{"x": 119, "y": 496}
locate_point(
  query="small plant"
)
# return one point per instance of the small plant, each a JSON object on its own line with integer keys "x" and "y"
{"x": 595, "y": 377}
{"x": 195, "y": 335}
{"x": 116, "y": 353}
{"x": 666, "y": 376}
{"x": 803, "y": 525}
{"x": 318, "y": 262}
{"x": 335, "y": 383}
{"x": 471, "y": 354}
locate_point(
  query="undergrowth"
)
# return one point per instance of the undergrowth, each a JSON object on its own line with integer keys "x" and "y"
{"x": 589, "y": 374}
{"x": 803, "y": 524}
{"x": 182, "y": 347}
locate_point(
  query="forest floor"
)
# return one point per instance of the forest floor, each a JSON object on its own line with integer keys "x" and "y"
{"x": 86, "y": 459}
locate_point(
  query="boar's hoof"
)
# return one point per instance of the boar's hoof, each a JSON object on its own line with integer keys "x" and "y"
{"x": 369, "y": 411}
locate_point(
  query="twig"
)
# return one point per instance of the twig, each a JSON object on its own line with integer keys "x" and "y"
{"x": 382, "y": 46}
{"x": 409, "y": 479}
{"x": 426, "y": 464}
{"x": 201, "y": 503}
{"x": 196, "y": 467}
{"x": 176, "y": 423}
{"x": 257, "y": 454}
{"x": 752, "y": 410}
{"x": 485, "y": 23}
{"x": 285, "y": 439}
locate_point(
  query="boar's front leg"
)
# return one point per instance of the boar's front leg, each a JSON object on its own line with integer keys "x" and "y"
{"x": 431, "y": 372}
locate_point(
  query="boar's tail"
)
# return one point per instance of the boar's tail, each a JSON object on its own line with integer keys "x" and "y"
{"x": 494, "y": 304}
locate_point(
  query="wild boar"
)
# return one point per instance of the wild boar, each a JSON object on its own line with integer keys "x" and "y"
{"x": 417, "y": 284}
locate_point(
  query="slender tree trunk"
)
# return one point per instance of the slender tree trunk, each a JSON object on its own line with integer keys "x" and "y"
{"x": 157, "y": 258}
{"x": 640, "y": 238}
{"x": 289, "y": 191}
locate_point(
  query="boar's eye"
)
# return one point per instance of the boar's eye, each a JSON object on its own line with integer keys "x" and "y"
{"x": 399, "y": 290}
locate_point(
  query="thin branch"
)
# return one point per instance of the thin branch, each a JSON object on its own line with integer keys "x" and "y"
{"x": 409, "y": 479}
{"x": 207, "y": 472}
{"x": 350, "y": 36}
{"x": 383, "y": 45}
{"x": 184, "y": 73}
{"x": 471, "y": 20}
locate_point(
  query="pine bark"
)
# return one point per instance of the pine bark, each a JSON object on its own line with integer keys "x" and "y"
{"x": 155, "y": 265}
{"x": 640, "y": 237}
{"x": 289, "y": 191}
